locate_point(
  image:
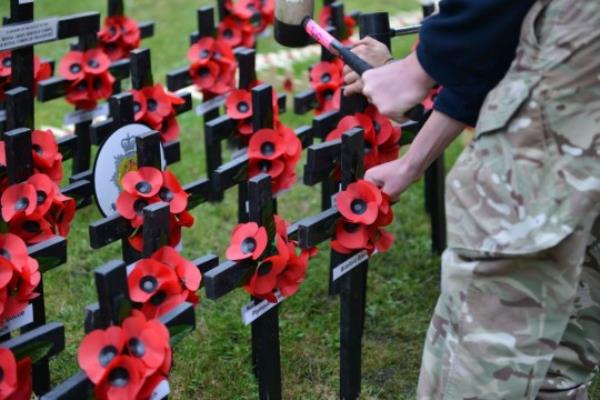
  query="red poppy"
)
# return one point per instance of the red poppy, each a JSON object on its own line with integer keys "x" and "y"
{"x": 45, "y": 190}
{"x": 329, "y": 97}
{"x": 123, "y": 379}
{"x": 41, "y": 71}
{"x": 201, "y": 52}
{"x": 8, "y": 378}
{"x": 267, "y": 11}
{"x": 281, "y": 227}
{"x": 272, "y": 167}
{"x": 14, "y": 249}
{"x": 46, "y": 157}
{"x": 264, "y": 280}
{"x": 359, "y": 203}
{"x": 236, "y": 32}
{"x": 213, "y": 66}
{"x": 290, "y": 279}
{"x": 95, "y": 62}
{"x": 139, "y": 104}
{"x": 147, "y": 278}
{"x": 429, "y": 101}
{"x": 18, "y": 199}
{"x": 360, "y": 120}
{"x": 145, "y": 182}
{"x": 186, "y": 271}
{"x": 32, "y": 229}
{"x": 169, "y": 128}
{"x": 245, "y": 9}
{"x": 288, "y": 84}
{"x": 61, "y": 214}
{"x": 146, "y": 340}
{"x": 169, "y": 296}
{"x": 24, "y": 380}
{"x": 326, "y": 72}
{"x": 266, "y": 144}
{"x": 171, "y": 192}
{"x": 119, "y": 36}
{"x": 131, "y": 207}
{"x": 71, "y": 66}
{"x": 381, "y": 239}
{"x": 79, "y": 95}
{"x": 239, "y": 104}
{"x": 100, "y": 86}
{"x": 247, "y": 241}
{"x": 98, "y": 350}
{"x": 350, "y": 237}
{"x": 158, "y": 103}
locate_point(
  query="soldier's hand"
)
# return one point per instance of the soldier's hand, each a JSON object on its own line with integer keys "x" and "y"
{"x": 373, "y": 52}
{"x": 393, "y": 177}
{"x": 397, "y": 87}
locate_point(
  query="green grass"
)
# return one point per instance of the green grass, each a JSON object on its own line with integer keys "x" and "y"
{"x": 214, "y": 361}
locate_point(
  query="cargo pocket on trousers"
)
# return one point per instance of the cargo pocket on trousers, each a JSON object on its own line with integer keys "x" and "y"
{"x": 503, "y": 102}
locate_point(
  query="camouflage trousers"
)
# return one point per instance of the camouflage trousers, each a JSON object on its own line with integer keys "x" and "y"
{"x": 519, "y": 312}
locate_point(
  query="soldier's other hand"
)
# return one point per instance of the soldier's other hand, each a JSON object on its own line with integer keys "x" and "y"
{"x": 393, "y": 177}
{"x": 397, "y": 87}
{"x": 373, "y": 52}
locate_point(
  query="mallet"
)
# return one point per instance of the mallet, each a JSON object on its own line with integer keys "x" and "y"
{"x": 294, "y": 27}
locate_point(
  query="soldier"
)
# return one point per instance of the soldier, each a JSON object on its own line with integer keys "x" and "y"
{"x": 519, "y": 312}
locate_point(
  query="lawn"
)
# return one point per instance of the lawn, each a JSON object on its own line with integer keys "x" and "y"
{"x": 214, "y": 361}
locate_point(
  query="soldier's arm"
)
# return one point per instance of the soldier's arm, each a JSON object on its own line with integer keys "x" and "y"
{"x": 467, "y": 48}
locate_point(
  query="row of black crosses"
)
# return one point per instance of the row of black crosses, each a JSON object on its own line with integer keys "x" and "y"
{"x": 84, "y": 27}
{"x": 114, "y": 304}
{"x": 37, "y": 336}
{"x": 377, "y": 26}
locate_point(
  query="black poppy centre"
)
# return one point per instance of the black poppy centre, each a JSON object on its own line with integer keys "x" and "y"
{"x": 267, "y": 148}
{"x": 41, "y": 196}
{"x": 106, "y": 355}
{"x": 22, "y": 204}
{"x": 139, "y": 205}
{"x": 264, "y": 165}
{"x": 328, "y": 94}
{"x": 1, "y": 374}
{"x": 148, "y": 284}
{"x": 265, "y": 268}
{"x": 6, "y": 254}
{"x": 93, "y": 63}
{"x": 137, "y": 107}
{"x": 165, "y": 194}
{"x": 152, "y": 104}
{"x": 75, "y": 68}
{"x": 248, "y": 245}
{"x": 228, "y": 33}
{"x": 31, "y": 226}
{"x": 158, "y": 298}
{"x": 136, "y": 347}
{"x": 118, "y": 377}
{"x": 243, "y": 107}
{"x": 350, "y": 227}
{"x": 143, "y": 187}
{"x": 326, "y": 77}
{"x": 358, "y": 206}
{"x": 204, "y": 53}
{"x": 37, "y": 148}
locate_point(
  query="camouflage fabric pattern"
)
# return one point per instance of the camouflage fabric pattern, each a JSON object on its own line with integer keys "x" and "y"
{"x": 519, "y": 313}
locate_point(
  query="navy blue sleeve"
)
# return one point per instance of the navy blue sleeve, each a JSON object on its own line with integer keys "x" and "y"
{"x": 467, "y": 48}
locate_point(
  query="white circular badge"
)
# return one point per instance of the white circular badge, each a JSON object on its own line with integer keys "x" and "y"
{"x": 115, "y": 158}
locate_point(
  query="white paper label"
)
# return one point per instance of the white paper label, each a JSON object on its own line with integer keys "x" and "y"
{"x": 211, "y": 105}
{"x": 161, "y": 391}
{"x": 350, "y": 264}
{"x": 3, "y": 115}
{"x": 25, "y": 1}
{"x": 15, "y": 36}
{"x": 252, "y": 311}
{"x": 79, "y": 116}
{"x": 20, "y": 320}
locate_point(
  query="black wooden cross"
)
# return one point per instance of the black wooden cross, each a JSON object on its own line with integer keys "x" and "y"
{"x": 235, "y": 172}
{"x": 230, "y": 275}
{"x": 347, "y": 154}
{"x": 115, "y": 227}
{"x": 40, "y": 343}
{"x": 49, "y": 253}
{"x": 113, "y": 297}
{"x": 78, "y": 146}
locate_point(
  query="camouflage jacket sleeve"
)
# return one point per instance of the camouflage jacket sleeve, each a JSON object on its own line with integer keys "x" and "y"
{"x": 467, "y": 48}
